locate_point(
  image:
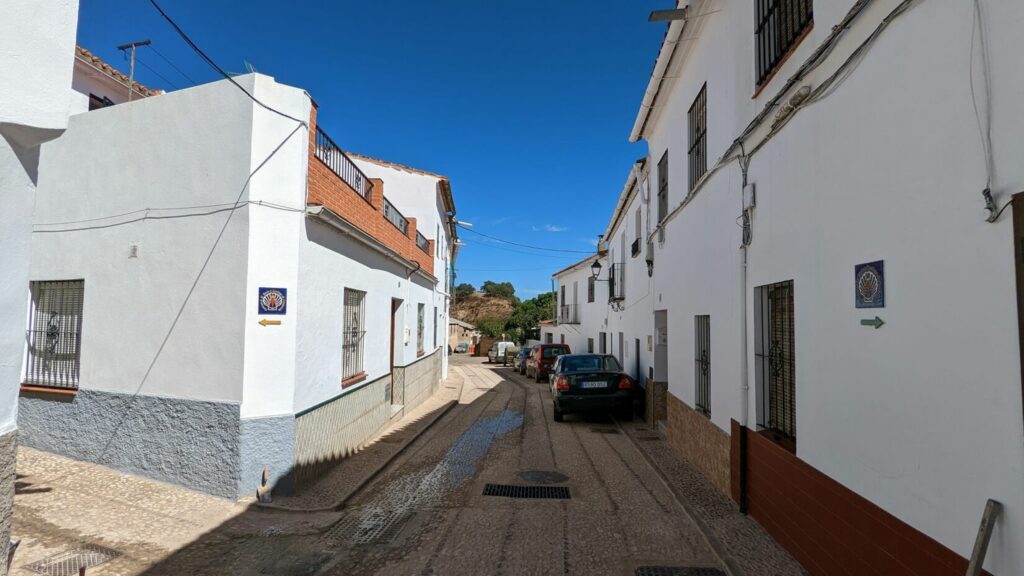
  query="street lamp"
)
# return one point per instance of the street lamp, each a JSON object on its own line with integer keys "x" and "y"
{"x": 667, "y": 15}
{"x": 595, "y": 269}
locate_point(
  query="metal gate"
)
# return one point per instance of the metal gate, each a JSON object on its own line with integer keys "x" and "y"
{"x": 781, "y": 377}
{"x": 702, "y": 362}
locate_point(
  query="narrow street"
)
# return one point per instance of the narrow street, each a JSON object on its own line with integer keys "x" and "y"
{"x": 426, "y": 512}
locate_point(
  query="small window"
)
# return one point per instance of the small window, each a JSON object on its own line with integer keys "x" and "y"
{"x": 775, "y": 362}
{"x": 562, "y": 339}
{"x": 419, "y": 328}
{"x": 590, "y": 288}
{"x": 353, "y": 329}
{"x": 54, "y": 338}
{"x": 602, "y": 342}
{"x": 780, "y": 24}
{"x": 702, "y": 363}
{"x": 698, "y": 153}
{"x": 590, "y": 345}
{"x": 663, "y": 187}
{"x": 549, "y": 338}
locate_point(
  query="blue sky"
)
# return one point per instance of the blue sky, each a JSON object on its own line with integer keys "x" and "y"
{"x": 525, "y": 106}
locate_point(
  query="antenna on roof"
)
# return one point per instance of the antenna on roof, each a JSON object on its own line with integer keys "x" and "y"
{"x": 131, "y": 70}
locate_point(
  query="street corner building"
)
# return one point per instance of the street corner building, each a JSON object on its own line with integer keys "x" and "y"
{"x": 817, "y": 274}
{"x": 218, "y": 289}
{"x": 35, "y": 101}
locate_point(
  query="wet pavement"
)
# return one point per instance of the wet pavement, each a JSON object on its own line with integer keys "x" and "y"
{"x": 426, "y": 513}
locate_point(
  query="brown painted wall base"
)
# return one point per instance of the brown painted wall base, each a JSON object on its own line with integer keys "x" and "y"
{"x": 827, "y": 527}
{"x": 693, "y": 437}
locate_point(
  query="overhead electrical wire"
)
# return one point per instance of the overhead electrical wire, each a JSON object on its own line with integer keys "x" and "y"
{"x": 216, "y": 67}
{"x": 161, "y": 76}
{"x": 172, "y": 64}
{"x": 503, "y": 241}
{"x": 507, "y": 249}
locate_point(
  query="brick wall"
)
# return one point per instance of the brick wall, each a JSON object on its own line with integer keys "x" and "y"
{"x": 827, "y": 527}
{"x": 692, "y": 435}
{"x": 329, "y": 190}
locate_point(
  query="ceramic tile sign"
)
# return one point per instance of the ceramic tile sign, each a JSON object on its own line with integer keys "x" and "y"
{"x": 273, "y": 300}
{"x": 869, "y": 284}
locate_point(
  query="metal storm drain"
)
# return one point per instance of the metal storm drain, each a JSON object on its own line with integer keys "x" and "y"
{"x": 70, "y": 562}
{"x": 677, "y": 571}
{"x": 605, "y": 430}
{"x": 537, "y": 492}
{"x": 367, "y": 525}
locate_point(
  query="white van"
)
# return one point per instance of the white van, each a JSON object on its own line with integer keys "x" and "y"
{"x": 497, "y": 351}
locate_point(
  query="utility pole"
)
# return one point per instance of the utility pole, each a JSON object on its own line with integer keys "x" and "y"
{"x": 131, "y": 70}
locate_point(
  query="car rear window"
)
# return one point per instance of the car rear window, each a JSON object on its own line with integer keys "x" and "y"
{"x": 554, "y": 352}
{"x": 590, "y": 364}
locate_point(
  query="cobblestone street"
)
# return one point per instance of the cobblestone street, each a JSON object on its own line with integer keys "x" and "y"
{"x": 425, "y": 512}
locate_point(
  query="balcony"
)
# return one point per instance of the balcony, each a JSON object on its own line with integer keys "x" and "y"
{"x": 335, "y": 158}
{"x": 395, "y": 217}
{"x": 569, "y": 314}
{"x": 617, "y": 282}
{"x": 635, "y": 248}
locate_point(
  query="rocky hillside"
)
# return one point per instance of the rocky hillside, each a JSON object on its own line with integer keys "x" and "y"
{"x": 477, "y": 306}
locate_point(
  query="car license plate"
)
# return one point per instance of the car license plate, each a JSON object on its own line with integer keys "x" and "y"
{"x": 594, "y": 385}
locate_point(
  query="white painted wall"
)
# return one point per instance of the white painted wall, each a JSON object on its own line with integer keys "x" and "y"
{"x": 922, "y": 417}
{"x": 37, "y": 41}
{"x": 592, "y": 315}
{"x": 176, "y": 155}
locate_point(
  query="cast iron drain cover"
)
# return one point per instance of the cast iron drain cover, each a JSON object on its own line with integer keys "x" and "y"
{"x": 510, "y": 491}
{"x": 68, "y": 563}
{"x": 543, "y": 477}
{"x": 677, "y": 571}
{"x": 605, "y": 430}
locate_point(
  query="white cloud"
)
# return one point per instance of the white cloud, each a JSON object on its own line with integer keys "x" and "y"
{"x": 549, "y": 228}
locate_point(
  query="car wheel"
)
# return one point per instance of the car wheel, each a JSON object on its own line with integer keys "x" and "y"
{"x": 559, "y": 415}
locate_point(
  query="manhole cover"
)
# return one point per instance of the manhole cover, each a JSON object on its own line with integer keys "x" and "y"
{"x": 68, "y": 563}
{"x": 542, "y": 492}
{"x": 605, "y": 430}
{"x": 543, "y": 477}
{"x": 677, "y": 571}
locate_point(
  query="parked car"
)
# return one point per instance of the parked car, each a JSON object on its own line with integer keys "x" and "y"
{"x": 542, "y": 358}
{"x": 591, "y": 382}
{"x": 497, "y": 351}
{"x": 462, "y": 348}
{"x": 519, "y": 363}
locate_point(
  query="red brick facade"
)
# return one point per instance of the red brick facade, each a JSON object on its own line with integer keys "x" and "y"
{"x": 827, "y": 527}
{"x": 328, "y": 189}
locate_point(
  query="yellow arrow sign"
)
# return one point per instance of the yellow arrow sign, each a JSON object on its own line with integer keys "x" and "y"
{"x": 266, "y": 322}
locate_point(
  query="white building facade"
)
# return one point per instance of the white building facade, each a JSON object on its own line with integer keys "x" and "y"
{"x": 235, "y": 293}
{"x": 37, "y": 44}
{"x": 835, "y": 312}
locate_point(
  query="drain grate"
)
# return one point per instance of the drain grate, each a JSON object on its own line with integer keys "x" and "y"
{"x": 677, "y": 571}
{"x": 605, "y": 430}
{"x": 70, "y": 562}
{"x": 367, "y": 525}
{"x": 543, "y": 492}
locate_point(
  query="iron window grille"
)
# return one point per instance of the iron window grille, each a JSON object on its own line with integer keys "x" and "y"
{"x": 54, "y": 336}
{"x": 335, "y": 158}
{"x": 663, "y": 187}
{"x": 569, "y": 314}
{"x": 616, "y": 282}
{"x": 698, "y": 120}
{"x": 435, "y": 327}
{"x": 591, "y": 282}
{"x": 780, "y": 23}
{"x": 702, "y": 363}
{"x": 395, "y": 217}
{"x": 419, "y": 328}
{"x": 776, "y": 357}
{"x": 354, "y": 334}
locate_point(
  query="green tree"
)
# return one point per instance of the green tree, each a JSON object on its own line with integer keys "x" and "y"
{"x": 499, "y": 290}
{"x": 464, "y": 290}
{"x": 528, "y": 314}
{"x": 491, "y": 327}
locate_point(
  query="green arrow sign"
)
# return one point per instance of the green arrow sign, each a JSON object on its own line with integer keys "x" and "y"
{"x": 876, "y": 322}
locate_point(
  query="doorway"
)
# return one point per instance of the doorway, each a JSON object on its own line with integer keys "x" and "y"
{"x": 397, "y": 376}
{"x": 661, "y": 345}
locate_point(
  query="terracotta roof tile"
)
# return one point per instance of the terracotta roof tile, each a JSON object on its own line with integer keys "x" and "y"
{"x": 114, "y": 73}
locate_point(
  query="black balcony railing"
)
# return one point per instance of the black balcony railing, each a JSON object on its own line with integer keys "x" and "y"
{"x": 335, "y": 158}
{"x": 635, "y": 248}
{"x": 422, "y": 242}
{"x": 569, "y": 314}
{"x": 616, "y": 282}
{"x": 395, "y": 217}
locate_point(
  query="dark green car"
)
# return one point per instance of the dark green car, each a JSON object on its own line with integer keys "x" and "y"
{"x": 591, "y": 382}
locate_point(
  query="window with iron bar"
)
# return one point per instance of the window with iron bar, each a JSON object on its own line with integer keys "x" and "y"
{"x": 590, "y": 345}
{"x": 352, "y": 343}
{"x": 590, "y": 288}
{"x": 702, "y": 363}
{"x": 775, "y": 361}
{"x": 779, "y": 24}
{"x": 698, "y": 152}
{"x": 663, "y": 187}
{"x": 419, "y": 328}
{"x": 54, "y": 335}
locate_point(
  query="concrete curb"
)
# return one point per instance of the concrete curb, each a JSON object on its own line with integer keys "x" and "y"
{"x": 716, "y": 547}
{"x": 372, "y": 475}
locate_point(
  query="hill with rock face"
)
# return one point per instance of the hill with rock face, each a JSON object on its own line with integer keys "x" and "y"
{"x": 478, "y": 306}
